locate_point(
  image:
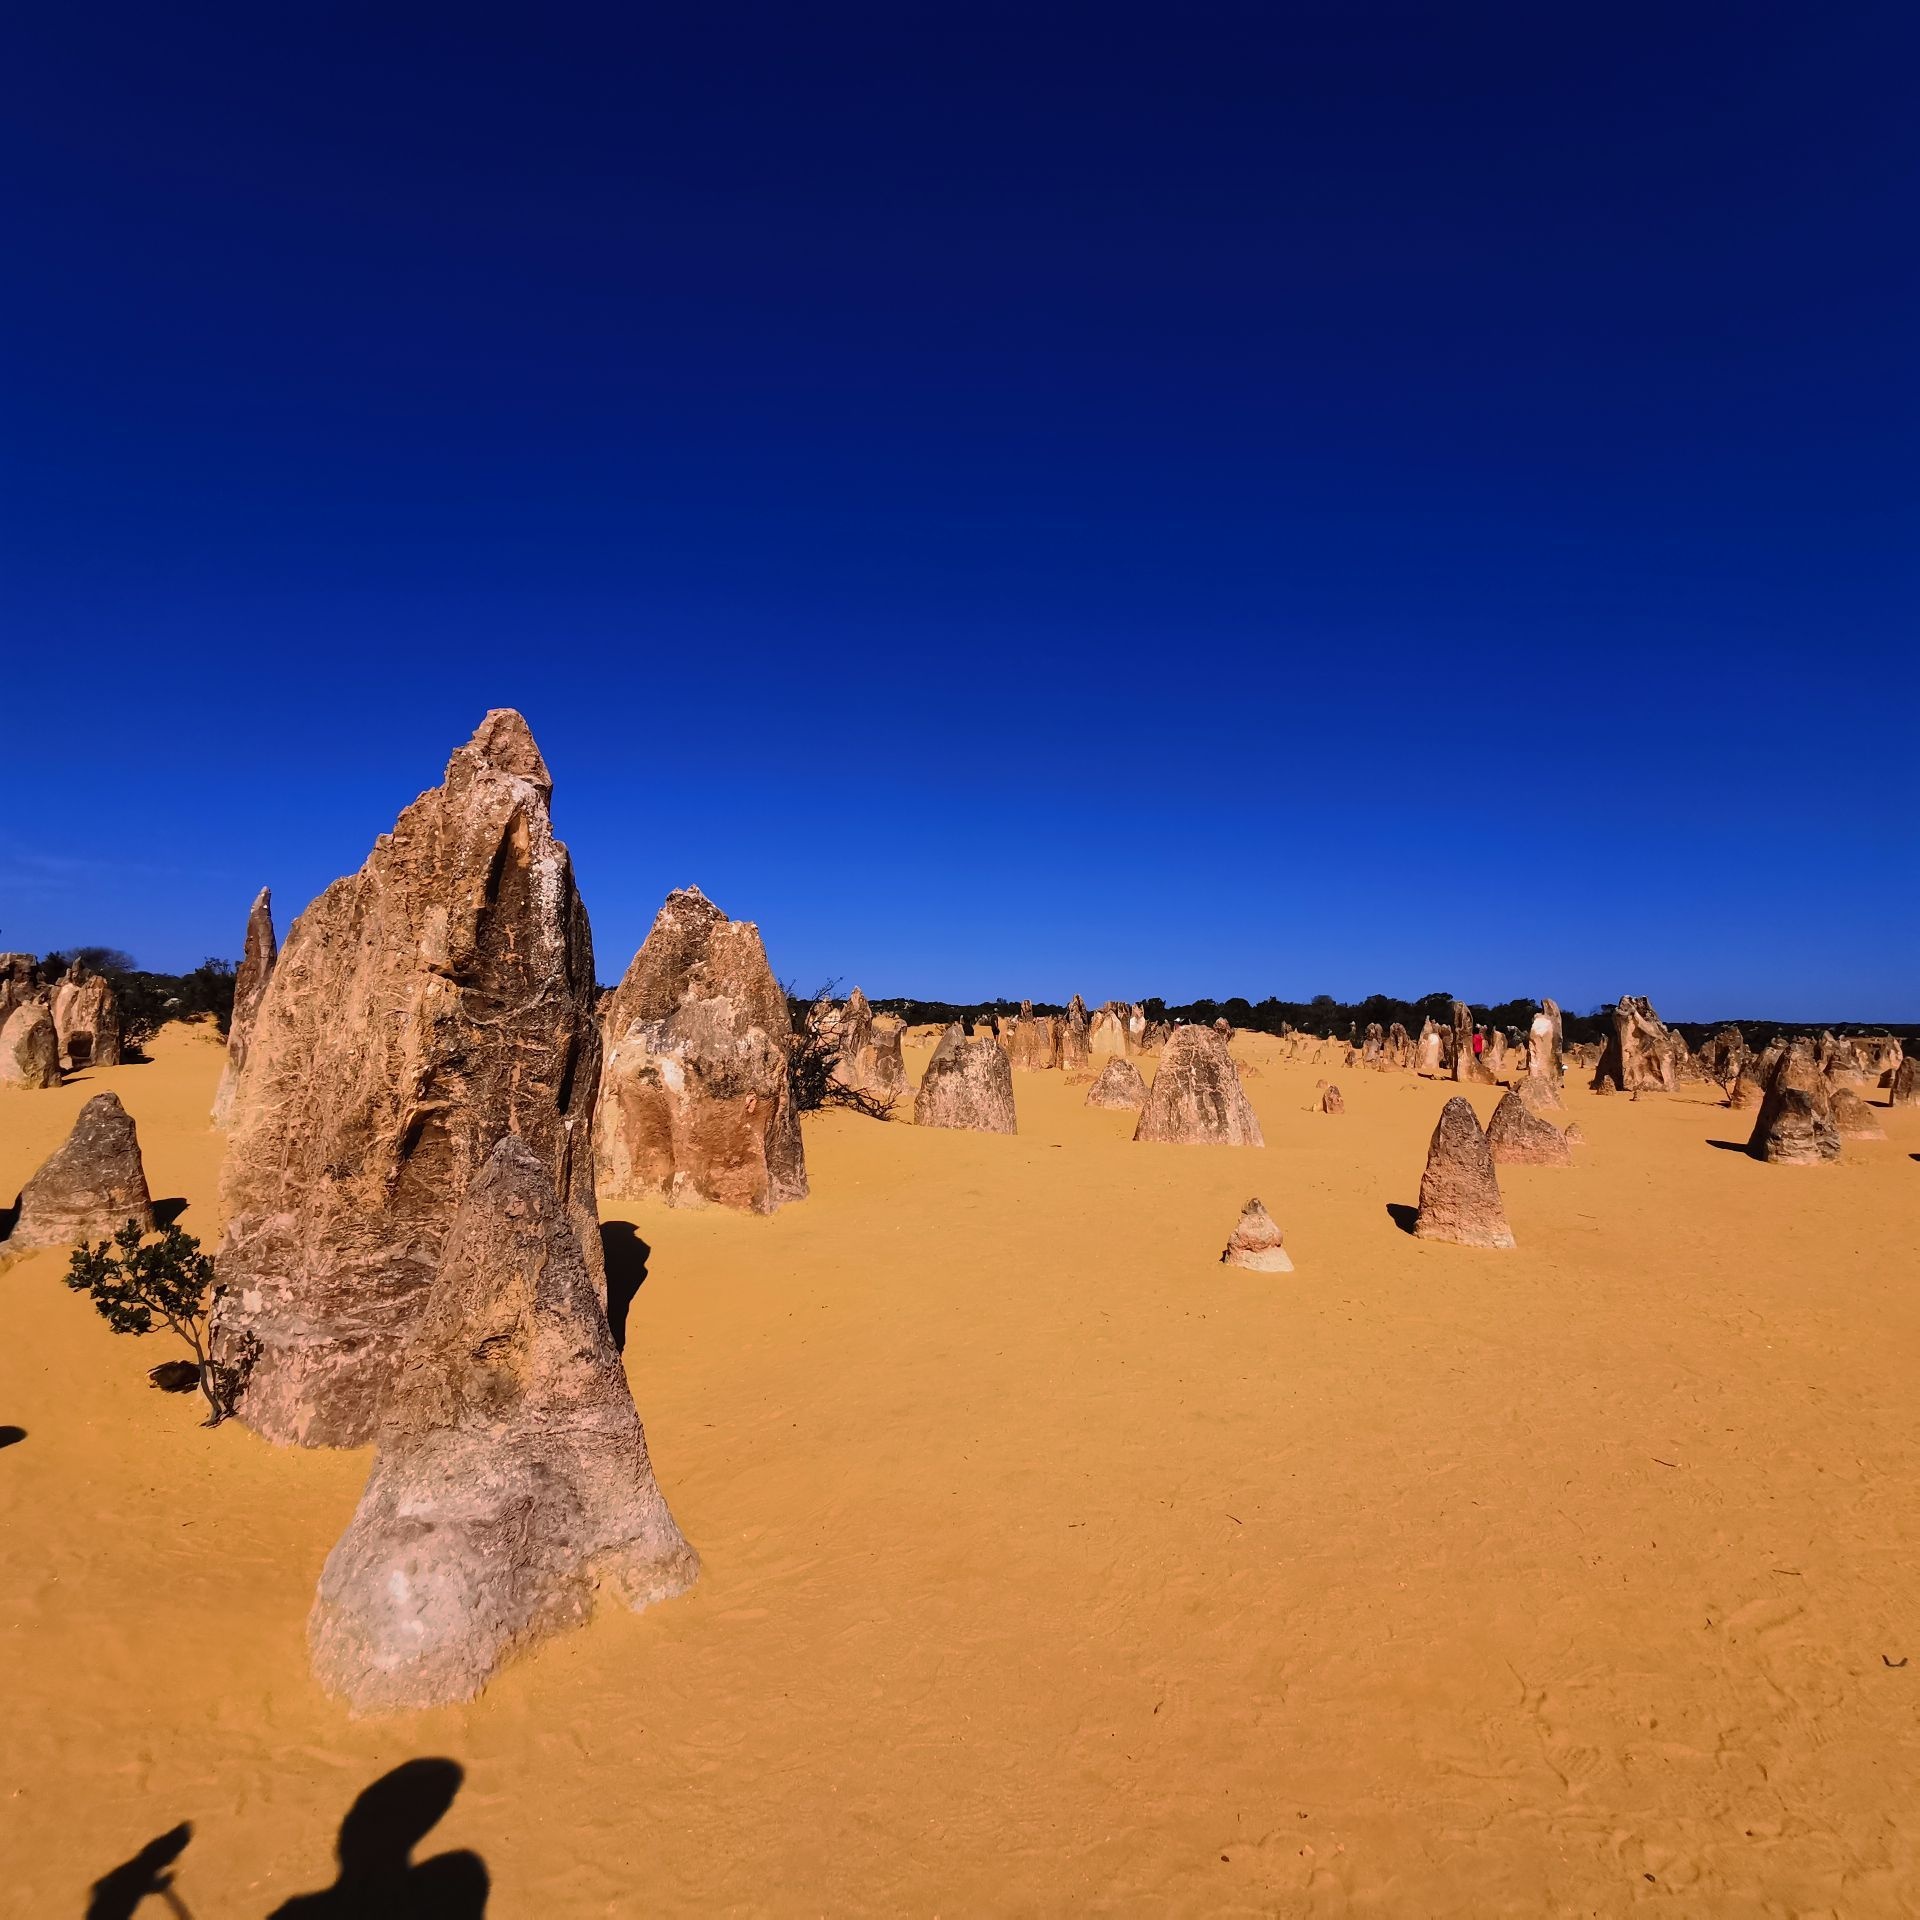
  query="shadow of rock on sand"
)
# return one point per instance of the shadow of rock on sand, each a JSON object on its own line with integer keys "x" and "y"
{"x": 1403, "y": 1216}
{"x": 12, "y": 1436}
{"x": 626, "y": 1256}
{"x": 1729, "y": 1146}
{"x": 378, "y": 1877}
{"x": 115, "y": 1895}
{"x": 166, "y": 1212}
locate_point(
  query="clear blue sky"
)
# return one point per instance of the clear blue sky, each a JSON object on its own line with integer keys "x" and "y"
{"x": 1268, "y": 499}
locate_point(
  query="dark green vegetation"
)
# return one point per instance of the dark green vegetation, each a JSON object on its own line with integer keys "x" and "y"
{"x": 168, "y": 1280}
{"x": 147, "y": 1001}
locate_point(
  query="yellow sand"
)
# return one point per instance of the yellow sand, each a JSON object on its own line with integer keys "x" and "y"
{"x": 1052, "y": 1567}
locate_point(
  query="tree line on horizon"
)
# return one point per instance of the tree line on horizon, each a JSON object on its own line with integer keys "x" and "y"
{"x": 148, "y": 1000}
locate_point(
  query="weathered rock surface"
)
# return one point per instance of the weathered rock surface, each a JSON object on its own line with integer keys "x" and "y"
{"x": 1430, "y": 1051}
{"x": 1139, "y": 1039}
{"x": 1075, "y": 1050}
{"x": 1467, "y": 1065}
{"x": 1256, "y": 1242}
{"x": 1032, "y": 1043}
{"x": 1724, "y": 1054}
{"x": 870, "y": 1060}
{"x": 1459, "y": 1193}
{"x": 1399, "y": 1048}
{"x": 91, "y": 1187}
{"x": 1373, "y": 1052}
{"x": 697, "y": 1105}
{"x": 1904, "y": 1088}
{"x": 1331, "y": 1099}
{"x": 1118, "y": 1086}
{"x": 1795, "y": 1124}
{"x": 1196, "y": 1098}
{"x": 29, "y": 1047}
{"x": 1637, "y": 1055}
{"x": 19, "y": 982}
{"x": 249, "y": 989}
{"x": 420, "y": 1010}
{"x": 87, "y": 1018}
{"x": 1853, "y": 1119}
{"x": 1107, "y": 1033}
{"x": 1517, "y": 1136}
{"x": 968, "y": 1084}
{"x": 512, "y": 1481}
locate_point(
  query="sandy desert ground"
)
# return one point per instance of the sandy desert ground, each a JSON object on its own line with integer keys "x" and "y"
{"x": 1052, "y": 1567}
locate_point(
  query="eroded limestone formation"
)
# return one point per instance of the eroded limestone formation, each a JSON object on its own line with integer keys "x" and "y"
{"x": 1459, "y": 1193}
{"x": 1903, "y": 1089}
{"x": 1853, "y": 1119}
{"x": 1331, "y": 1100}
{"x": 512, "y": 1482}
{"x": 1517, "y": 1136}
{"x": 968, "y": 1085}
{"x": 249, "y": 989}
{"x": 19, "y": 982}
{"x": 1107, "y": 1033}
{"x": 1795, "y": 1124}
{"x": 1032, "y": 1043}
{"x": 1256, "y": 1242}
{"x": 1637, "y": 1055}
{"x": 1399, "y": 1048}
{"x": 1196, "y": 1098}
{"x": 1118, "y": 1086}
{"x": 86, "y": 1016}
{"x": 1075, "y": 1050}
{"x": 697, "y": 1105}
{"x": 1468, "y": 1066}
{"x": 1430, "y": 1051}
{"x": 420, "y": 1010}
{"x": 870, "y": 1061}
{"x": 91, "y": 1187}
{"x": 29, "y": 1047}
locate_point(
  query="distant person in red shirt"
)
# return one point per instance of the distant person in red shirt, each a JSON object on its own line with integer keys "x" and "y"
{"x": 1479, "y": 1043}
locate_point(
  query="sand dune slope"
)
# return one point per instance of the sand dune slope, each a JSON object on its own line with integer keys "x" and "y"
{"x": 1052, "y": 1567}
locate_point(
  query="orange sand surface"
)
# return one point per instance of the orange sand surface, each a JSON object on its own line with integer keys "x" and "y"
{"x": 1052, "y": 1567}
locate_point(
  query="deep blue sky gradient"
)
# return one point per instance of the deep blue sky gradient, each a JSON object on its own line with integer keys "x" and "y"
{"x": 1265, "y": 499}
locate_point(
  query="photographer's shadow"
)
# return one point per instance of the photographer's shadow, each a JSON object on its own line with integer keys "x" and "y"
{"x": 379, "y": 1878}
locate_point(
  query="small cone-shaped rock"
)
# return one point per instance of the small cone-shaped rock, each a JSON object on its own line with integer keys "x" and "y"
{"x": 420, "y": 1009}
{"x": 1331, "y": 1099}
{"x": 1256, "y": 1242}
{"x": 91, "y": 1187}
{"x": 249, "y": 989}
{"x": 1573, "y": 1135}
{"x": 1795, "y": 1125}
{"x": 1517, "y": 1136}
{"x": 1853, "y": 1119}
{"x": 512, "y": 1479}
{"x": 1196, "y": 1098}
{"x": 29, "y": 1047}
{"x": 697, "y": 1105}
{"x": 1459, "y": 1193}
{"x": 967, "y": 1085}
{"x": 87, "y": 1018}
{"x": 1118, "y": 1086}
